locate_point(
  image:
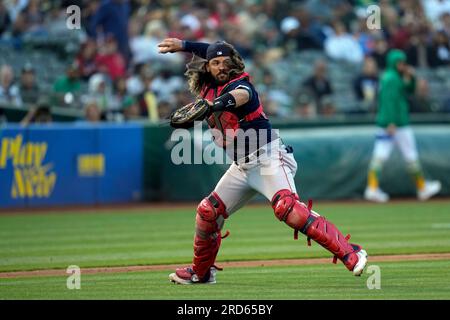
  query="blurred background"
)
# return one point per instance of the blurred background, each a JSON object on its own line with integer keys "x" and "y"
{"x": 98, "y": 96}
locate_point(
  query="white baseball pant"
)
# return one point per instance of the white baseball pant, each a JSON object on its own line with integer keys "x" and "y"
{"x": 268, "y": 173}
{"x": 403, "y": 139}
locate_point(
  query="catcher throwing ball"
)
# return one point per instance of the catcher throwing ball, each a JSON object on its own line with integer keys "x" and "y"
{"x": 228, "y": 101}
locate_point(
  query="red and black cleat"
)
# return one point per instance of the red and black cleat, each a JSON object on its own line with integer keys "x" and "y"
{"x": 188, "y": 276}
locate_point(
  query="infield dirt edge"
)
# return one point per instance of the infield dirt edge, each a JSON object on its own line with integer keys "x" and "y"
{"x": 229, "y": 264}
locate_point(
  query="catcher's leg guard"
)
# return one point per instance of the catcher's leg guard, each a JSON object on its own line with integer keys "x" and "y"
{"x": 300, "y": 217}
{"x": 207, "y": 237}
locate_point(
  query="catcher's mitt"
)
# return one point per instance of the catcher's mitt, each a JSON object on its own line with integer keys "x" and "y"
{"x": 185, "y": 116}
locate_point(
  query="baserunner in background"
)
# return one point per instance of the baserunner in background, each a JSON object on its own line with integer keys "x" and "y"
{"x": 397, "y": 82}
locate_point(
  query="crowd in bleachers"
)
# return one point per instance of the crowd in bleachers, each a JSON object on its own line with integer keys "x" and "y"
{"x": 307, "y": 58}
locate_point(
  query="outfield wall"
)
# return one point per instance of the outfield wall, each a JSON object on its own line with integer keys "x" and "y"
{"x": 82, "y": 164}
{"x": 76, "y": 164}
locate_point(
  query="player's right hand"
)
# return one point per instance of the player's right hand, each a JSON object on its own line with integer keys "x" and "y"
{"x": 170, "y": 45}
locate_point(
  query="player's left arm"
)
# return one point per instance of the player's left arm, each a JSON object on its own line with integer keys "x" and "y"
{"x": 232, "y": 99}
{"x": 241, "y": 96}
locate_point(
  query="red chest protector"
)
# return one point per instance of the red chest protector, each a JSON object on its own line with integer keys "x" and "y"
{"x": 227, "y": 123}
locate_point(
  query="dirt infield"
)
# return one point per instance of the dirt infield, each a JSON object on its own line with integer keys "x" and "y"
{"x": 231, "y": 264}
{"x": 168, "y": 206}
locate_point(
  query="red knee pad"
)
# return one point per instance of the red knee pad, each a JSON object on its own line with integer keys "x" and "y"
{"x": 209, "y": 209}
{"x": 289, "y": 209}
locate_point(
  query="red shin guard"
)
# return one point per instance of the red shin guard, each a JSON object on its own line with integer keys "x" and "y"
{"x": 328, "y": 236}
{"x": 205, "y": 252}
{"x": 297, "y": 215}
{"x": 207, "y": 238}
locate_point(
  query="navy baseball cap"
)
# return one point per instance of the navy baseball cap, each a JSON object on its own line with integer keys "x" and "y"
{"x": 217, "y": 49}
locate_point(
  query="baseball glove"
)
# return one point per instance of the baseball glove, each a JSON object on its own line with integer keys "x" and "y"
{"x": 185, "y": 116}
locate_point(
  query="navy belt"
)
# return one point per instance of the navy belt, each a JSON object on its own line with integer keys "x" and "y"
{"x": 259, "y": 152}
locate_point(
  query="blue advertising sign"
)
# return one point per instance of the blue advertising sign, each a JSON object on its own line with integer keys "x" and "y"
{"x": 64, "y": 164}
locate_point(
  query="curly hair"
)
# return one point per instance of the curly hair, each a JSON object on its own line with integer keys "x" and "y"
{"x": 198, "y": 77}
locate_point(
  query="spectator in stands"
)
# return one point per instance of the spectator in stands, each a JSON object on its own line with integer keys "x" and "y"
{"x": 321, "y": 9}
{"x": 38, "y": 115}
{"x": 300, "y": 32}
{"x": 29, "y": 89}
{"x": 112, "y": 16}
{"x": 276, "y": 98}
{"x": 240, "y": 40}
{"x": 365, "y": 85}
{"x": 88, "y": 12}
{"x": 66, "y": 87}
{"x": 434, "y": 9}
{"x": 55, "y": 21}
{"x": 86, "y": 59}
{"x": 381, "y": 49}
{"x": 342, "y": 46}
{"x": 270, "y": 107}
{"x": 252, "y": 18}
{"x": 92, "y": 112}
{"x": 135, "y": 83}
{"x": 327, "y": 106}
{"x": 144, "y": 47}
{"x": 120, "y": 95}
{"x": 100, "y": 90}
{"x": 5, "y": 19}
{"x": 166, "y": 84}
{"x": 445, "y": 23}
{"x": 290, "y": 28}
{"x": 141, "y": 45}
{"x": 34, "y": 18}
{"x": 109, "y": 60}
{"x": 9, "y": 92}
{"x": 400, "y": 30}
{"x": 267, "y": 37}
{"x": 418, "y": 51}
{"x": 19, "y": 28}
{"x": 131, "y": 109}
{"x": 411, "y": 7}
{"x": 306, "y": 31}
{"x": 15, "y": 7}
{"x": 364, "y": 36}
{"x": 422, "y": 101}
{"x": 148, "y": 100}
{"x": 440, "y": 50}
{"x": 318, "y": 83}
{"x": 306, "y": 107}
{"x": 70, "y": 82}
{"x": 222, "y": 15}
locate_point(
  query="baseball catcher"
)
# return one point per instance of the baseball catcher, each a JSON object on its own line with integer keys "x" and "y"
{"x": 262, "y": 163}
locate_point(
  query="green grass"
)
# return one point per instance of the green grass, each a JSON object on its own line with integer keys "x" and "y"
{"x": 38, "y": 241}
{"x": 399, "y": 280}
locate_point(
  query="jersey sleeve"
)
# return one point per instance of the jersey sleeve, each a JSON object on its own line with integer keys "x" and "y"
{"x": 245, "y": 85}
{"x": 253, "y": 101}
{"x": 197, "y": 48}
